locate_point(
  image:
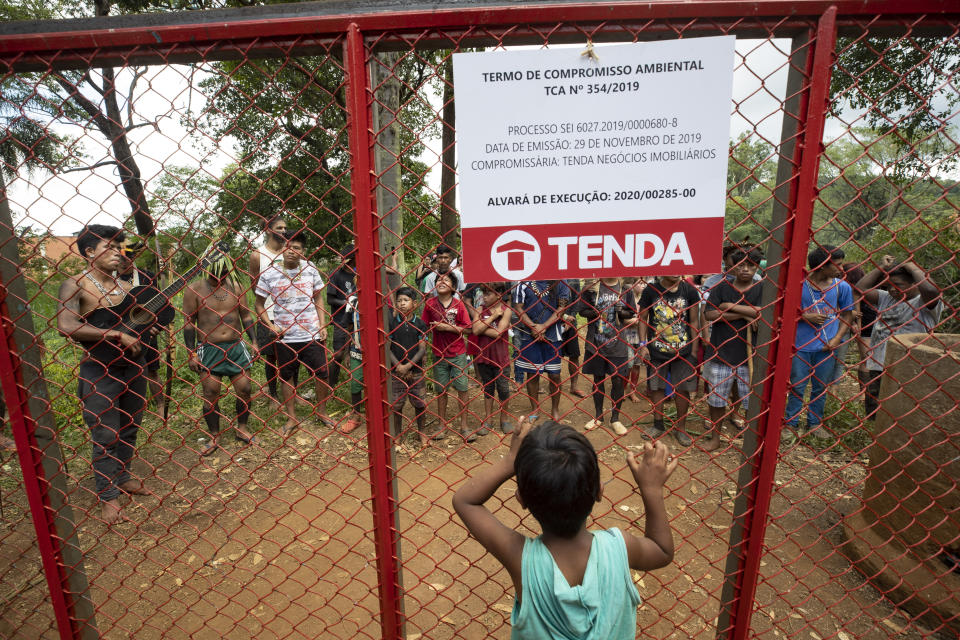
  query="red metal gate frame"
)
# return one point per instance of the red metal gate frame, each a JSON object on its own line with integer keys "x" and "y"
{"x": 107, "y": 40}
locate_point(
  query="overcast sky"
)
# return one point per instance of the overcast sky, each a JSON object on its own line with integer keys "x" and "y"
{"x": 64, "y": 202}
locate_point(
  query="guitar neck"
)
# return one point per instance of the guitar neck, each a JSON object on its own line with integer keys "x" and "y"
{"x": 172, "y": 289}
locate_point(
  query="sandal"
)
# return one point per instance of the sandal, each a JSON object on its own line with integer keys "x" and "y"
{"x": 211, "y": 446}
{"x": 248, "y": 440}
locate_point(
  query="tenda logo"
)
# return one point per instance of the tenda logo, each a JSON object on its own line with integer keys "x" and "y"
{"x": 631, "y": 250}
{"x": 516, "y": 254}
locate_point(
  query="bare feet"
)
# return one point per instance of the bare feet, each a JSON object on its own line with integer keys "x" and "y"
{"x": 7, "y": 444}
{"x": 289, "y": 427}
{"x": 133, "y": 488}
{"x": 111, "y": 513}
{"x": 711, "y": 441}
{"x": 577, "y": 392}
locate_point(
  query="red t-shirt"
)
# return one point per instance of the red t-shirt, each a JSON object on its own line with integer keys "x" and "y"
{"x": 446, "y": 344}
{"x": 487, "y": 350}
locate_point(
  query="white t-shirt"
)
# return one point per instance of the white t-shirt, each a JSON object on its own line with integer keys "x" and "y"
{"x": 895, "y": 317}
{"x": 292, "y": 292}
{"x": 268, "y": 258}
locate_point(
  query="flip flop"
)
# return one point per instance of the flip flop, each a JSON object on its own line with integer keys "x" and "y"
{"x": 211, "y": 446}
{"x": 246, "y": 441}
{"x": 326, "y": 420}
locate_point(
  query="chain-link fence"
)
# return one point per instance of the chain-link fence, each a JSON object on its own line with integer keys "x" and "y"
{"x": 298, "y": 483}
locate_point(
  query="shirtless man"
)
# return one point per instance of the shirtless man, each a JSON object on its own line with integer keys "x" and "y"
{"x": 215, "y": 308}
{"x": 260, "y": 259}
{"x": 112, "y": 385}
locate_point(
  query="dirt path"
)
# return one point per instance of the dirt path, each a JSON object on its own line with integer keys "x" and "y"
{"x": 276, "y": 542}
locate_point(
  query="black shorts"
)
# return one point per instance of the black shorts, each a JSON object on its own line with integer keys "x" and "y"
{"x": 571, "y": 343}
{"x": 341, "y": 338}
{"x": 291, "y": 355}
{"x": 266, "y": 341}
{"x": 602, "y": 366}
{"x": 494, "y": 378}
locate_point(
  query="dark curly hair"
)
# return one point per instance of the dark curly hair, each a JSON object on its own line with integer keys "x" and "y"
{"x": 558, "y": 477}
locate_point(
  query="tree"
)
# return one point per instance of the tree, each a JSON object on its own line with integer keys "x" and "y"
{"x": 751, "y": 173}
{"x": 66, "y": 94}
{"x": 867, "y": 184}
{"x": 288, "y": 118}
{"x": 904, "y": 86}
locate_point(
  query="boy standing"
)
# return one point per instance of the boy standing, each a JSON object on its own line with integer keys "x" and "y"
{"x": 447, "y": 317}
{"x": 408, "y": 346}
{"x": 733, "y": 308}
{"x": 262, "y": 258}
{"x": 296, "y": 289}
{"x": 669, "y": 336}
{"x": 539, "y": 305}
{"x": 611, "y": 310}
{"x": 492, "y": 357}
{"x": 341, "y": 298}
{"x": 912, "y": 305}
{"x": 558, "y": 480}
{"x": 827, "y": 313}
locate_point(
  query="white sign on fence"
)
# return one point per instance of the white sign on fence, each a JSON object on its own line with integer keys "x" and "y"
{"x": 572, "y": 165}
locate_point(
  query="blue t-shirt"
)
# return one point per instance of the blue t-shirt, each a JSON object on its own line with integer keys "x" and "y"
{"x": 539, "y": 299}
{"x": 602, "y": 607}
{"x": 831, "y": 302}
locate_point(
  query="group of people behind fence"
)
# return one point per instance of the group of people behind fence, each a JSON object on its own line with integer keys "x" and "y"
{"x": 670, "y": 331}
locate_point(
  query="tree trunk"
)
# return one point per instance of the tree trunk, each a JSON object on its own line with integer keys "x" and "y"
{"x": 386, "y": 155}
{"x": 128, "y": 169}
{"x": 113, "y": 129}
{"x": 449, "y": 219}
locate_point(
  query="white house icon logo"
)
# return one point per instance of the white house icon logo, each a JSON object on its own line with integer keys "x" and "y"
{"x": 515, "y": 255}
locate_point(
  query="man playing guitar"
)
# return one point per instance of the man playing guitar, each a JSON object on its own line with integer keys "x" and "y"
{"x": 112, "y": 385}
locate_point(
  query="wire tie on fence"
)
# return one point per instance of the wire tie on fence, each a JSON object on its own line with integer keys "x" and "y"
{"x": 590, "y": 52}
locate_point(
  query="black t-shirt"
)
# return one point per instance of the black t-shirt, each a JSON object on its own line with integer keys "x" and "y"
{"x": 605, "y": 332}
{"x": 405, "y": 337}
{"x": 341, "y": 286}
{"x": 729, "y": 337}
{"x": 573, "y": 308}
{"x": 669, "y": 314}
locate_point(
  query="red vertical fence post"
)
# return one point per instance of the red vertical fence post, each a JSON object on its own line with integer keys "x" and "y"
{"x": 370, "y": 300}
{"x": 41, "y": 460}
{"x": 760, "y": 491}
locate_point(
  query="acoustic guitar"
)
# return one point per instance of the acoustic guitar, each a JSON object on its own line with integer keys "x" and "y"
{"x": 146, "y": 306}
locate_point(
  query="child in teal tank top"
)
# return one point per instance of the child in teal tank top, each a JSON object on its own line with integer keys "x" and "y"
{"x": 570, "y": 583}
